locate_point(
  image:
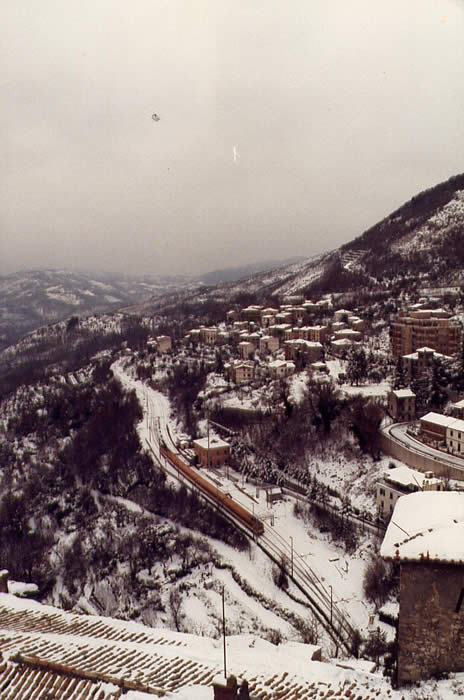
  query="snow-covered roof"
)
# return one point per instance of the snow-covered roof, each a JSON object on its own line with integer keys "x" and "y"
{"x": 426, "y": 525}
{"x": 212, "y": 443}
{"x": 404, "y": 476}
{"x": 276, "y": 364}
{"x": 457, "y": 424}
{"x": 438, "y": 419}
{"x": 403, "y": 393}
{"x": 459, "y": 404}
{"x": 341, "y": 342}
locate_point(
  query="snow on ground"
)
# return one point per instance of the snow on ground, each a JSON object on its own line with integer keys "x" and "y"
{"x": 380, "y": 389}
{"x": 297, "y": 387}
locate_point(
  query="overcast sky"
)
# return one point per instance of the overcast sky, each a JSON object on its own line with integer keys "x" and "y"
{"x": 286, "y": 128}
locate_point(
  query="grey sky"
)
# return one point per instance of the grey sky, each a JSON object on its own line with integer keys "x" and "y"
{"x": 286, "y": 128}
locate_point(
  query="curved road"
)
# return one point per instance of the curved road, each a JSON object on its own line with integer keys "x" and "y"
{"x": 397, "y": 432}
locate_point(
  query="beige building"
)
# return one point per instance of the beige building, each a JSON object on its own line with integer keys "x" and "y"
{"x": 402, "y": 405}
{"x": 309, "y": 351}
{"x": 455, "y": 437}
{"x": 268, "y": 344}
{"x": 240, "y": 371}
{"x": 211, "y": 452}
{"x": 400, "y": 481}
{"x": 280, "y": 368}
{"x": 425, "y": 328}
{"x": 209, "y": 336}
{"x": 246, "y": 350}
{"x": 416, "y": 363}
{"x": 163, "y": 343}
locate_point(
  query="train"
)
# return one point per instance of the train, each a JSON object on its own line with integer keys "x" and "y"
{"x": 250, "y": 521}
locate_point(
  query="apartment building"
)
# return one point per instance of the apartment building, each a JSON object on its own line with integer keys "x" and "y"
{"x": 417, "y": 362}
{"x": 425, "y": 328}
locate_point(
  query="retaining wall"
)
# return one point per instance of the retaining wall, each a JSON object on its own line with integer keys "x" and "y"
{"x": 418, "y": 460}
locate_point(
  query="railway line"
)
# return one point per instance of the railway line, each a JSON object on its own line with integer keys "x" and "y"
{"x": 322, "y": 600}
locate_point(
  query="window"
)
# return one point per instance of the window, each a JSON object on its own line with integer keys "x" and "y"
{"x": 391, "y": 495}
{"x": 382, "y": 492}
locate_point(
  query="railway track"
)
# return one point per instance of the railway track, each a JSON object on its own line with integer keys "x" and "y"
{"x": 323, "y": 602}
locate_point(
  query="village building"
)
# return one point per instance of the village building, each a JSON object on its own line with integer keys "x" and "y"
{"x": 425, "y": 538}
{"x": 425, "y": 328}
{"x": 318, "y": 334}
{"x": 208, "y": 335}
{"x": 284, "y": 317}
{"x": 455, "y": 437}
{"x": 163, "y": 343}
{"x": 278, "y": 330}
{"x": 416, "y": 363}
{"x": 211, "y": 452}
{"x": 348, "y": 333}
{"x": 340, "y": 347}
{"x": 268, "y": 344}
{"x": 343, "y": 315}
{"x": 279, "y": 369}
{"x": 246, "y": 350}
{"x": 252, "y": 313}
{"x": 338, "y": 326}
{"x": 305, "y": 349}
{"x": 433, "y": 428}
{"x": 239, "y": 371}
{"x": 402, "y": 405}
{"x": 358, "y": 324}
{"x": 400, "y": 481}
{"x": 457, "y": 409}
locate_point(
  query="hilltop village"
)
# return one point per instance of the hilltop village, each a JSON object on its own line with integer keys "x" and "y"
{"x": 306, "y": 425}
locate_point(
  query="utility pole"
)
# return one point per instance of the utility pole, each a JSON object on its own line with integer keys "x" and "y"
{"x": 330, "y": 604}
{"x": 224, "y": 630}
{"x": 291, "y": 555}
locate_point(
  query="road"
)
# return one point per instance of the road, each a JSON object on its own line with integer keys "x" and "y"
{"x": 397, "y": 432}
{"x": 323, "y": 599}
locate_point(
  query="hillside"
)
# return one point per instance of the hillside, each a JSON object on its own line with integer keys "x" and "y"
{"x": 34, "y": 298}
{"x": 419, "y": 244}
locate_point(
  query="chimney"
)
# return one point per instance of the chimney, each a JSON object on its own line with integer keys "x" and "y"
{"x": 4, "y": 581}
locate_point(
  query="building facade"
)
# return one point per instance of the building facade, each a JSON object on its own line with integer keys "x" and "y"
{"x": 426, "y": 539}
{"x": 212, "y": 452}
{"x": 425, "y": 328}
{"x": 402, "y": 405}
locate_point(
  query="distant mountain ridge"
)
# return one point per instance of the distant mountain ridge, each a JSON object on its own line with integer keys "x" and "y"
{"x": 421, "y": 243}
{"x": 35, "y": 298}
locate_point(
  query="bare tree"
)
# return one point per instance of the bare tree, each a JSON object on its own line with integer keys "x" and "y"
{"x": 175, "y": 602}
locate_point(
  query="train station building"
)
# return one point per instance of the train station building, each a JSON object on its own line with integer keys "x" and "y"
{"x": 211, "y": 452}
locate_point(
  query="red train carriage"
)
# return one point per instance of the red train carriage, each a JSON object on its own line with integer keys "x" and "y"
{"x": 245, "y": 517}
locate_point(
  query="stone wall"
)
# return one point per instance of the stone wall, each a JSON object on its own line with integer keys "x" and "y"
{"x": 431, "y": 629}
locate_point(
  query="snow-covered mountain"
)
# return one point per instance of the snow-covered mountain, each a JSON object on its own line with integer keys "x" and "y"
{"x": 419, "y": 244}
{"x": 35, "y": 298}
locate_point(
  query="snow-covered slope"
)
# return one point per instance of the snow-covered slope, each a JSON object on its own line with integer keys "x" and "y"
{"x": 35, "y": 298}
